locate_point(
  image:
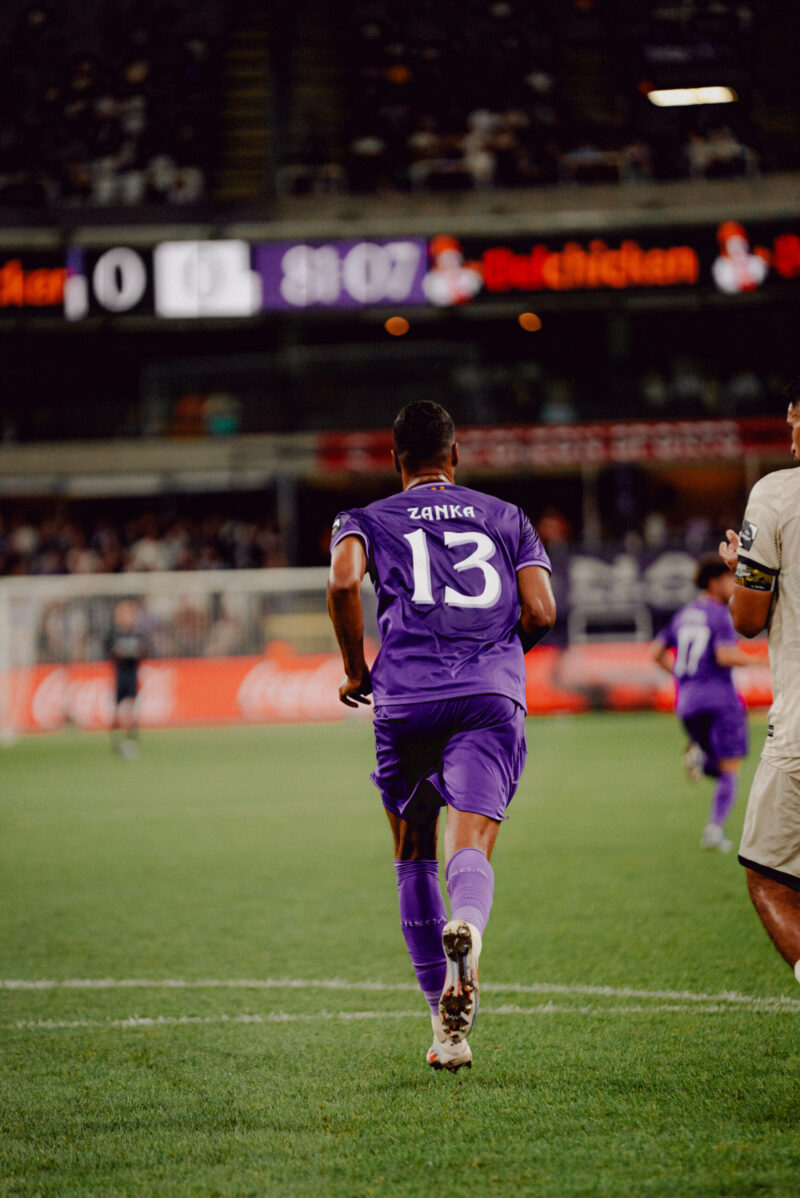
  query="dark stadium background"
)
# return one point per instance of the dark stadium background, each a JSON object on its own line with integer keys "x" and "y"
{"x": 222, "y": 424}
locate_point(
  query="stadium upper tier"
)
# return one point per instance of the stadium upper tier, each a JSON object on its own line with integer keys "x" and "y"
{"x": 603, "y": 209}
{"x": 208, "y": 106}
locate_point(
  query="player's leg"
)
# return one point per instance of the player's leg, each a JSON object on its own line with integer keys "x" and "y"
{"x": 778, "y": 908}
{"x": 127, "y": 724}
{"x": 698, "y": 759}
{"x": 770, "y": 853}
{"x": 408, "y": 752}
{"x": 422, "y": 918}
{"x": 722, "y": 801}
{"x": 469, "y": 830}
{"x": 693, "y": 761}
{"x": 469, "y": 839}
{"x": 422, "y": 910}
{"x": 482, "y": 765}
{"x": 727, "y": 745}
{"x": 117, "y": 734}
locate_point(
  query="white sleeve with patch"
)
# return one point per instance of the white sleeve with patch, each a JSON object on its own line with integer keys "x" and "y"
{"x": 770, "y": 551}
{"x": 760, "y": 536}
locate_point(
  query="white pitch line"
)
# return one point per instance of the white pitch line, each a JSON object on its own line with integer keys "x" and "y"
{"x": 204, "y": 984}
{"x": 155, "y": 1021}
{"x": 133, "y": 1021}
{"x": 725, "y": 998}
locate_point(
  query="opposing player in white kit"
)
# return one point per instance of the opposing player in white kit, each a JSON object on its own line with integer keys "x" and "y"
{"x": 765, "y": 556}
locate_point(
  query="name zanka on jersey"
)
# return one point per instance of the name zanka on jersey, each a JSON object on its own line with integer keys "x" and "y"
{"x": 443, "y": 511}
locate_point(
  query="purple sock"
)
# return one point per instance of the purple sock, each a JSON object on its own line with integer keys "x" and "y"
{"x": 422, "y": 917}
{"x": 724, "y": 797}
{"x": 470, "y": 884}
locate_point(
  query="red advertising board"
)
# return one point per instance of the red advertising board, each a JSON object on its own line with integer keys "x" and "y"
{"x": 180, "y": 692}
{"x": 34, "y": 281}
{"x": 519, "y": 446}
{"x": 729, "y": 257}
{"x": 285, "y": 686}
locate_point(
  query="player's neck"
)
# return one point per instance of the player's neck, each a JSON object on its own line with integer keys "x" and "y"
{"x": 427, "y": 476}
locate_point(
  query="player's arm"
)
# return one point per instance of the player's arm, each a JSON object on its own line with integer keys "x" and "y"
{"x": 537, "y": 605}
{"x": 662, "y": 656}
{"x": 750, "y": 609}
{"x": 752, "y": 597}
{"x": 732, "y": 655}
{"x": 348, "y": 566}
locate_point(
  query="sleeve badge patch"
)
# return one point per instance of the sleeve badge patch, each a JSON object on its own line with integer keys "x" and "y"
{"x": 753, "y": 578}
{"x": 747, "y": 535}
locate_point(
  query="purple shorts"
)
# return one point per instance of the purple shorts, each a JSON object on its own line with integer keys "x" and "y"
{"x": 472, "y": 752}
{"x": 720, "y": 733}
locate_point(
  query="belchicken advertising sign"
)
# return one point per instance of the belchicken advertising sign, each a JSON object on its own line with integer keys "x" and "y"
{"x": 728, "y": 259}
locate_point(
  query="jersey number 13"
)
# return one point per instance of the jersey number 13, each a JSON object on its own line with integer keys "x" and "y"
{"x": 485, "y": 548}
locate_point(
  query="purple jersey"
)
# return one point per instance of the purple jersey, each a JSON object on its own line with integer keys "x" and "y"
{"x": 694, "y": 633}
{"x": 443, "y": 560}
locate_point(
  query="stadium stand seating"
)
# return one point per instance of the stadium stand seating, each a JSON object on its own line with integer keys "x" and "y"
{"x": 105, "y": 107}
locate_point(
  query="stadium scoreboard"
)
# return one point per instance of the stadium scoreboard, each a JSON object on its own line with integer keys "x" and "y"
{"x": 233, "y": 278}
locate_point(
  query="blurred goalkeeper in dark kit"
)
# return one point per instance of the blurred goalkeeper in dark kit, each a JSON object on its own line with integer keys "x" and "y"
{"x": 126, "y": 649}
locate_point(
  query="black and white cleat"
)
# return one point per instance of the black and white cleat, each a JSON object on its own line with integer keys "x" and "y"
{"x": 458, "y": 1004}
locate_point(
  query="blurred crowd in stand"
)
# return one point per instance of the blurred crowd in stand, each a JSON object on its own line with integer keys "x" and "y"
{"x": 61, "y": 544}
{"x": 113, "y": 111}
{"x": 681, "y": 388}
{"x": 687, "y": 387}
{"x": 503, "y": 93}
{"x": 633, "y": 517}
{"x": 118, "y": 104}
{"x": 645, "y": 556}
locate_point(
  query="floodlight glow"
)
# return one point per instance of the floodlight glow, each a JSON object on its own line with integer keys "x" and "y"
{"x": 681, "y": 97}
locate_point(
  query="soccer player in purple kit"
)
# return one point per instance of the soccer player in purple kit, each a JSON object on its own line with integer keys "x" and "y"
{"x": 705, "y": 648}
{"x": 463, "y": 588}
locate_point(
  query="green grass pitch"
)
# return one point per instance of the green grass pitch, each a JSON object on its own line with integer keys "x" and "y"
{"x": 638, "y": 1034}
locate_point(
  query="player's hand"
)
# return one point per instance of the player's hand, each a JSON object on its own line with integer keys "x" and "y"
{"x": 353, "y": 691}
{"x": 729, "y": 549}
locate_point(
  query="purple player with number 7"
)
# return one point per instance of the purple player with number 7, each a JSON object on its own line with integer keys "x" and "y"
{"x": 463, "y": 588}
{"x": 699, "y": 648}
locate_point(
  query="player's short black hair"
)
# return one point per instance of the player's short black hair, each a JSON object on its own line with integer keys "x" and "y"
{"x": 709, "y": 566}
{"x": 792, "y": 391}
{"x": 423, "y": 433}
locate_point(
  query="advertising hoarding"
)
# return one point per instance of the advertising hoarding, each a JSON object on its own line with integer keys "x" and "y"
{"x": 32, "y": 282}
{"x": 233, "y": 278}
{"x": 516, "y": 447}
{"x": 283, "y": 686}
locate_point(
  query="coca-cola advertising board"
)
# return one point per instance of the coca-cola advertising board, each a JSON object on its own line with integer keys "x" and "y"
{"x": 284, "y": 686}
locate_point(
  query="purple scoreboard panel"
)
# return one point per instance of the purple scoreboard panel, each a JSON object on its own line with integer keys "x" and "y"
{"x": 341, "y": 274}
